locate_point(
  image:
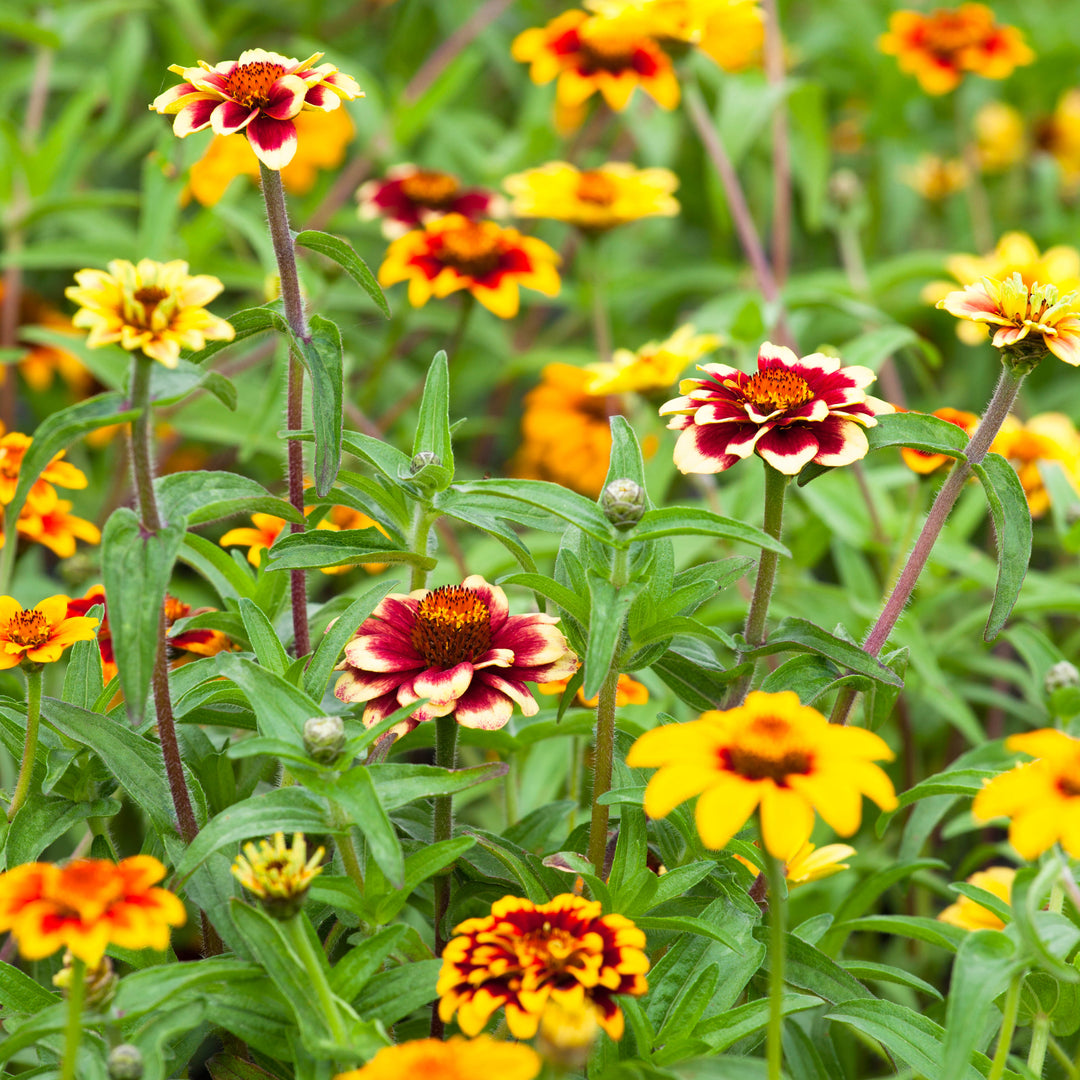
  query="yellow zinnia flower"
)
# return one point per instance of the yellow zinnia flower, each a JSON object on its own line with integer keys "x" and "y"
{"x": 810, "y": 863}
{"x": 1046, "y": 437}
{"x": 278, "y": 875}
{"x": 770, "y": 752}
{"x": 999, "y": 136}
{"x": 56, "y": 529}
{"x": 936, "y": 178}
{"x": 40, "y": 634}
{"x": 455, "y": 1059}
{"x": 156, "y": 307}
{"x": 1061, "y": 138}
{"x": 657, "y": 365}
{"x": 970, "y": 914}
{"x": 596, "y": 199}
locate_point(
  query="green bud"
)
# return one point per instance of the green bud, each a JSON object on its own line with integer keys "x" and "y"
{"x": 845, "y": 189}
{"x": 324, "y": 737}
{"x": 623, "y": 503}
{"x": 422, "y": 460}
{"x": 1061, "y": 676}
{"x": 125, "y": 1062}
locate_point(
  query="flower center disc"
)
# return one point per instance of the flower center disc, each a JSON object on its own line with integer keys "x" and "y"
{"x": 595, "y": 187}
{"x": 452, "y": 625}
{"x": 609, "y": 51}
{"x": 150, "y": 296}
{"x": 764, "y": 751}
{"x": 29, "y": 629}
{"x": 777, "y": 388}
{"x": 250, "y": 84}
{"x": 471, "y": 250}
{"x": 430, "y": 188}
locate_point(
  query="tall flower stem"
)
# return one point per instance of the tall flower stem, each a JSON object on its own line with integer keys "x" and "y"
{"x": 422, "y": 522}
{"x": 277, "y": 217}
{"x": 446, "y": 733}
{"x": 1008, "y": 1026}
{"x": 143, "y": 469}
{"x": 774, "y": 874}
{"x": 33, "y": 718}
{"x": 300, "y": 939}
{"x": 73, "y": 1028}
{"x": 776, "y": 484}
{"x": 1000, "y": 404}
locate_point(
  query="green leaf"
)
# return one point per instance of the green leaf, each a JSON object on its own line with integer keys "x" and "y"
{"x": 433, "y": 425}
{"x": 390, "y": 461}
{"x": 245, "y": 323}
{"x": 419, "y": 866}
{"x": 695, "y": 521}
{"x": 916, "y": 927}
{"x": 268, "y": 649}
{"x": 808, "y": 968}
{"x": 341, "y": 251}
{"x": 1012, "y": 529}
{"x": 953, "y": 782}
{"x": 171, "y": 385}
{"x": 920, "y": 431}
{"x": 1048, "y": 936}
{"x": 547, "y": 587}
{"x": 321, "y": 354}
{"x": 143, "y": 991}
{"x": 41, "y": 820}
{"x": 83, "y": 678}
{"x": 729, "y": 1027}
{"x": 320, "y": 548}
{"x": 231, "y": 579}
{"x": 21, "y": 994}
{"x": 136, "y": 567}
{"x": 356, "y": 794}
{"x": 354, "y": 969}
{"x": 280, "y": 708}
{"x": 399, "y": 785}
{"x": 868, "y": 970}
{"x": 205, "y": 496}
{"x": 391, "y": 995}
{"x": 608, "y": 608}
{"x": 626, "y": 461}
{"x": 701, "y": 687}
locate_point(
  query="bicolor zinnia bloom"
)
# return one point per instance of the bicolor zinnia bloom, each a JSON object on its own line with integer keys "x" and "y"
{"x": 1047, "y": 437}
{"x": 57, "y": 529}
{"x": 457, "y": 648}
{"x": 197, "y": 642}
{"x": 939, "y": 49}
{"x": 791, "y": 411}
{"x": 1021, "y": 312}
{"x": 80, "y": 605}
{"x": 87, "y": 905}
{"x": 657, "y": 365}
{"x": 42, "y": 497}
{"x": 39, "y": 635}
{"x": 590, "y": 54}
{"x": 454, "y": 1059}
{"x": 524, "y": 955}
{"x": 970, "y": 914}
{"x": 260, "y": 94}
{"x": 925, "y": 463}
{"x": 453, "y": 253}
{"x": 409, "y": 196}
{"x": 770, "y": 754}
{"x": 936, "y": 178}
{"x": 156, "y": 307}
{"x": 322, "y": 138}
{"x": 1041, "y": 798}
{"x": 1000, "y": 142}
{"x": 277, "y": 874}
{"x": 594, "y": 199}
{"x": 810, "y": 863}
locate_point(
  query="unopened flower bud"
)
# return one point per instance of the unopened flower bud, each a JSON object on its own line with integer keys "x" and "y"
{"x": 1061, "y": 676}
{"x": 279, "y": 876}
{"x": 324, "y": 737}
{"x": 623, "y": 503}
{"x": 845, "y": 189}
{"x": 99, "y": 983}
{"x": 422, "y": 460}
{"x": 125, "y": 1062}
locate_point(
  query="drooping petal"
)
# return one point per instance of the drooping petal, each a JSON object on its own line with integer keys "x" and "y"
{"x": 274, "y": 141}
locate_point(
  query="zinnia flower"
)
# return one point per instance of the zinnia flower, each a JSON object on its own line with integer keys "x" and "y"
{"x": 42, "y": 497}
{"x": 258, "y": 94}
{"x": 942, "y": 47}
{"x": 1046, "y": 437}
{"x": 936, "y": 178}
{"x": 810, "y": 863}
{"x": 198, "y": 642}
{"x": 790, "y": 412}
{"x": 80, "y": 605}
{"x": 455, "y": 1059}
{"x": 57, "y": 529}
{"x": 771, "y": 753}
{"x": 596, "y": 199}
{"x": 152, "y": 306}
{"x": 40, "y": 634}
{"x": 923, "y": 463}
{"x": 321, "y": 141}
{"x": 409, "y": 197}
{"x": 87, "y": 905}
{"x": 453, "y": 253}
{"x": 524, "y": 955}
{"x": 628, "y": 691}
{"x": 41, "y": 363}
{"x": 970, "y": 914}
{"x": 1042, "y": 798}
{"x": 999, "y": 136}
{"x": 1019, "y": 311}
{"x": 278, "y": 875}
{"x": 590, "y": 54}
{"x": 654, "y": 366}
{"x": 458, "y": 646}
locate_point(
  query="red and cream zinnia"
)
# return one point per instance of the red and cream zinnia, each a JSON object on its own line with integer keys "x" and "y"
{"x": 259, "y": 94}
{"x": 459, "y": 649}
{"x": 791, "y": 411}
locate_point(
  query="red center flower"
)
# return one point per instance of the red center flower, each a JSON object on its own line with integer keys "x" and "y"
{"x": 457, "y": 646}
{"x": 790, "y": 412}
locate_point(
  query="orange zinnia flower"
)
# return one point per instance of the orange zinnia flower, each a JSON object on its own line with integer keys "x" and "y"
{"x": 628, "y": 692}
{"x": 41, "y": 363}
{"x": 42, "y": 497}
{"x": 57, "y": 529}
{"x": 453, "y": 253}
{"x": 1046, "y": 437}
{"x": 39, "y": 635}
{"x": 88, "y": 905}
{"x": 454, "y": 1059}
{"x": 923, "y": 463}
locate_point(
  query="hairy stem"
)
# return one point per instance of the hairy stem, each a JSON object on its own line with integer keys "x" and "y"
{"x": 33, "y": 718}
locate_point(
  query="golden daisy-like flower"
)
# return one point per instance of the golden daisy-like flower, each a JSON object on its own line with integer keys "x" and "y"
{"x": 455, "y": 1059}
{"x": 40, "y": 634}
{"x": 810, "y": 863}
{"x": 260, "y": 94}
{"x": 278, "y": 875}
{"x": 627, "y": 692}
{"x": 1060, "y": 137}
{"x": 655, "y": 366}
{"x": 970, "y": 914}
{"x": 1041, "y": 798}
{"x": 457, "y": 646}
{"x": 156, "y": 307}
{"x": 790, "y": 412}
{"x": 1022, "y": 312}
{"x": 924, "y": 463}
{"x": 42, "y": 498}
{"x": 322, "y": 139}
{"x": 936, "y": 178}
{"x": 1049, "y": 436}
{"x": 88, "y": 905}
{"x": 999, "y": 136}
{"x": 57, "y": 529}
{"x": 453, "y": 253}
{"x": 771, "y": 753}
{"x": 524, "y": 955}
{"x": 595, "y": 200}
{"x": 939, "y": 49}
{"x": 591, "y": 54}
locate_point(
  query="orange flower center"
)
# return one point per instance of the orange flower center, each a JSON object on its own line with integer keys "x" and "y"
{"x": 471, "y": 250}
{"x": 597, "y": 188}
{"x": 30, "y": 629}
{"x": 249, "y": 84}
{"x": 430, "y": 188}
{"x": 608, "y": 50}
{"x": 551, "y": 948}
{"x": 150, "y": 296}
{"x": 764, "y": 750}
{"x": 452, "y": 625}
{"x": 777, "y": 388}
{"x": 1069, "y": 785}
{"x": 950, "y": 31}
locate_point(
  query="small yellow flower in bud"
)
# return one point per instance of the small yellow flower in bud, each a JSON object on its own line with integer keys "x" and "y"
{"x": 279, "y": 876}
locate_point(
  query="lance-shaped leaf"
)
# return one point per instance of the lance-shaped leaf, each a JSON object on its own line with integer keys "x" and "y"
{"x": 433, "y": 426}
{"x": 341, "y": 251}
{"x": 321, "y": 355}
{"x": 322, "y": 548}
{"x": 208, "y": 496}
